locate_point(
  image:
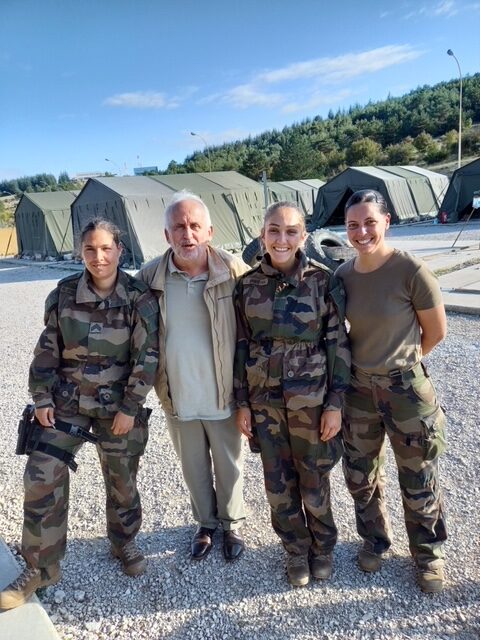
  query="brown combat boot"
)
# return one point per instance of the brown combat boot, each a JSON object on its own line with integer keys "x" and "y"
{"x": 298, "y": 570}
{"x": 132, "y": 559}
{"x": 26, "y": 584}
{"x": 321, "y": 566}
{"x": 368, "y": 560}
{"x": 430, "y": 578}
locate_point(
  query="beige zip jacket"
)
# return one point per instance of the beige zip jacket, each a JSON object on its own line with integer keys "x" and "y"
{"x": 223, "y": 271}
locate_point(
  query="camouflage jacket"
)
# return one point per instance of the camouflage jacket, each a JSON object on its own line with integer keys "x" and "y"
{"x": 292, "y": 348}
{"x": 96, "y": 357}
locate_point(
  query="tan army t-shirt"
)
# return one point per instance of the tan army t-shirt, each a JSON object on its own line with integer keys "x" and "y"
{"x": 384, "y": 330}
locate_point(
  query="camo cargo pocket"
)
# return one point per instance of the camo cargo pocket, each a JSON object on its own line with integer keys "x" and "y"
{"x": 329, "y": 453}
{"x": 304, "y": 378}
{"x": 434, "y": 441}
{"x": 66, "y": 396}
{"x": 138, "y": 436}
{"x": 132, "y": 443}
{"x": 256, "y": 370}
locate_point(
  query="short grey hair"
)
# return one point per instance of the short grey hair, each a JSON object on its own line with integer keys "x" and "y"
{"x": 181, "y": 196}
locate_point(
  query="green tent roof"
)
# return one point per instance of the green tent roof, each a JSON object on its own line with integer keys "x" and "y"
{"x": 409, "y": 194}
{"x": 302, "y": 192}
{"x": 137, "y": 204}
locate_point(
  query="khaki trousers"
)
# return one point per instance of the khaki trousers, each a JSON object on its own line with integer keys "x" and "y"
{"x": 210, "y": 454}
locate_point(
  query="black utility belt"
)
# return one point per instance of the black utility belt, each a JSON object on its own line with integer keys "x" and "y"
{"x": 418, "y": 370}
{"x": 75, "y": 431}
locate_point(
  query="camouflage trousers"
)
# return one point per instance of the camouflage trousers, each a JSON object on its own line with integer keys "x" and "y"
{"x": 296, "y": 467}
{"x": 404, "y": 406}
{"x": 47, "y": 482}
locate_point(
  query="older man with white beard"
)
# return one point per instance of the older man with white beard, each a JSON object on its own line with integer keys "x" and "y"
{"x": 194, "y": 283}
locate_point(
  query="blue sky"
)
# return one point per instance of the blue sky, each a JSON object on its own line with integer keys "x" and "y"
{"x": 94, "y": 79}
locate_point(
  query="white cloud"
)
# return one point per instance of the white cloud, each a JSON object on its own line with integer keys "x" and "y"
{"x": 342, "y": 67}
{"x": 318, "y": 72}
{"x": 354, "y": 65}
{"x": 444, "y": 8}
{"x": 142, "y": 100}
{"x": 150, "y": 99}
{"x": 307, "y": 79}
{"x": 248, "y": 95}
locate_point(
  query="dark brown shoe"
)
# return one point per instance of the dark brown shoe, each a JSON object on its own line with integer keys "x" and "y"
{"x": 202, "y": 543}
{"x": 233, "y": 545}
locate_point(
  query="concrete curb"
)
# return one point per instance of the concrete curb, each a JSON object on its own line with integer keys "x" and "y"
{"x": 458, "y": 308}
{"x": 25, "y": 622}
{"x": 61, "y": 264}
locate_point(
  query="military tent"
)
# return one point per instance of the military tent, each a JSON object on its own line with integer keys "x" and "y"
{"x": 409, "y": 193}
{"x": 137, "y": 203}
{"x": 438, "y": 181}
{"x": 236, "y": 203}
{"x": 421, "y": 189}
{"x": 458, "y": 200}
{"x": 43, "y": 223}
{"x": 302, "y": 192}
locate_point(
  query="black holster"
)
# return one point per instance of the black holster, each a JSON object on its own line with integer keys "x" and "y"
{"x": 30, "y": 432}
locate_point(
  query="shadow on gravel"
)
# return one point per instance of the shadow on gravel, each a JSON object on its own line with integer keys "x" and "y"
{"x": 249, "y": 598}
{"x": 13, "y": 273}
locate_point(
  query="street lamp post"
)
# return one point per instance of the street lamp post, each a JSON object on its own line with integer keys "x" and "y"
{"x": 192, "y": 133}
{"x": 450, "y": 53}
{"x": 114, "y": 163}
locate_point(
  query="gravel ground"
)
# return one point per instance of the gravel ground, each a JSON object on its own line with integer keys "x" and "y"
{"x": 179, "y": 599}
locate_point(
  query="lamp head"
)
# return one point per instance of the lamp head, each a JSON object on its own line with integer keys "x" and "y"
{"x": 450, "y": 52}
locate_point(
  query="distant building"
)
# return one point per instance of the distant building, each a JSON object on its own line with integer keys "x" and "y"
{"x": 83, "y": 177}
{"x": 141, "y": 171}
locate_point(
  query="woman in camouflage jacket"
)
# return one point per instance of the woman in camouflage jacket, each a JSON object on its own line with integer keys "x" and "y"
{"x": 292, "y": 366}
{"x": 93, "y": 366}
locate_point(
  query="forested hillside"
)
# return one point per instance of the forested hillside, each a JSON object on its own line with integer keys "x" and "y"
{"x": 420, "y": 127}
